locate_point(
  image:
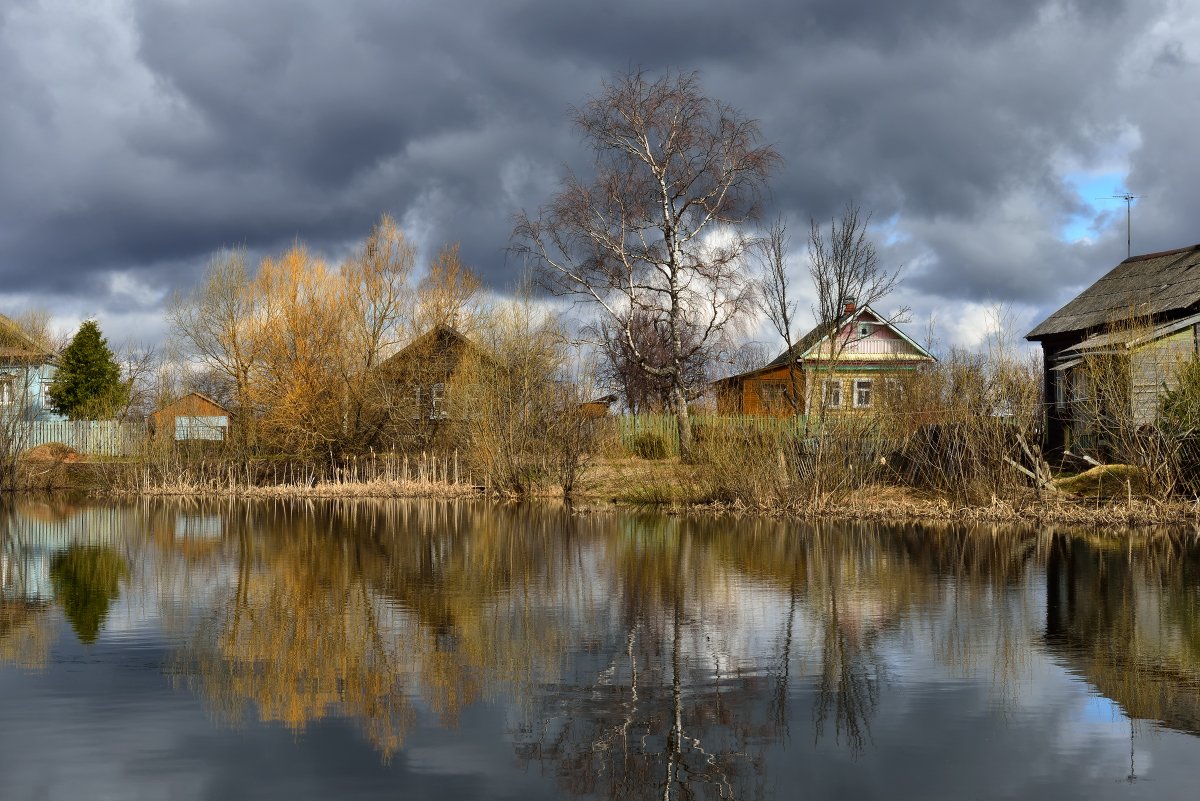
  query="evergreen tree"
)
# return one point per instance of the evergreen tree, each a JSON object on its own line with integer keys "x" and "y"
{"x": 87, "y": 384}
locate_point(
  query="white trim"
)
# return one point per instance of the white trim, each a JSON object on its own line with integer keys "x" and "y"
{"x": 853, "y": 319}
{"x": 870, "y": 393}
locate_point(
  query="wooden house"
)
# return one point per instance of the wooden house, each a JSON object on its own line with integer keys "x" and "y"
{"x": 1145, "y": 310}
{"x": 26, "y": 371}
{"x": 194, "y": 417}
{"x": 598, "y": 407}
{"x": 847, "y": 374}
{"x": 421, "y": 372}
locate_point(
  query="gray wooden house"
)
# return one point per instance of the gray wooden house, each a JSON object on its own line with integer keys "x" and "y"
{"x": 1146, "y": 309}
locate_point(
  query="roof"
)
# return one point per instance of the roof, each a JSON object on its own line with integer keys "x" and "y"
{"x": 1130, "y": 339}
{"x": 16, "y": 344}
{"x": 200, "y": 395}
{"x": 1159, "y": 284}
{"x": 441, "y": 336}
{"x": 819, "y": 334}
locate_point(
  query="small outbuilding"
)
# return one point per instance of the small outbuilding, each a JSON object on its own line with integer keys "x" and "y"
{"x": 195, "y": 416}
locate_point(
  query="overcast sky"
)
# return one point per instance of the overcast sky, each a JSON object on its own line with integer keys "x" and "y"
{"x": 138, "y": 136}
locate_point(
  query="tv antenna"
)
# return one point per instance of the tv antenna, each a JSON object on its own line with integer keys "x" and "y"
{"x": 1128, "y": 198}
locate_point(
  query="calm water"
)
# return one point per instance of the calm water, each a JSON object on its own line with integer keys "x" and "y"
{"x": 428, "y": 650}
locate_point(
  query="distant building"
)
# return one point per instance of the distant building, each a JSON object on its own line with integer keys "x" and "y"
{"x": 193, "y": 417}
{"x": 849, "y": 377}
{"x": 1160, "y": 290}
{"x": 421, "y": 372}
{"x": 26, "y": 370}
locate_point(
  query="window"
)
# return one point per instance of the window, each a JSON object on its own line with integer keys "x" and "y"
{"x": 6, "y": 390}
{"x": 833, "y": 394}
{"x": 201, "y": 427}
{"x": 864, "y": 330}
{"x": 894, "y": 390}
{"x": 774, "y": 395}
{"x": 416, "y": 402}
{"x": 45, "y": 396}
{"x": 862, "y": 393}
{"x": 437, "y": 402}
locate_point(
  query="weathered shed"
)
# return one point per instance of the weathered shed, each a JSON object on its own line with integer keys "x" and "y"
{"x": 194, "y": 416}
{"x": 1148, "y": 308}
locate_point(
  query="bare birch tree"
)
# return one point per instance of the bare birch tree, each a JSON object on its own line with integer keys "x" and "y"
{"x": 657, "y": 231}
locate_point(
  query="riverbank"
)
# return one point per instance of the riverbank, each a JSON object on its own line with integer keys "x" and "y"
{"x": 671, "y": 486}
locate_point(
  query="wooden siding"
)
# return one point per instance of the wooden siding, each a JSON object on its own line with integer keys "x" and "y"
{"x": 1153, "y": 368}
{"x": 192, "y": 405}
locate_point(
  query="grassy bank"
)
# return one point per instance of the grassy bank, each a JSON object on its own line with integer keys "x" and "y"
{"x": 1108, "y": 496}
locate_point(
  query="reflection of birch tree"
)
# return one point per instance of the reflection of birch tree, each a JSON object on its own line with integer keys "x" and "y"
{"x": 646, "y": 714}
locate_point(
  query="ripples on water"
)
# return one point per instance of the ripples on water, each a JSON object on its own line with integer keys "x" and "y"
{"x": 427, "y": 650}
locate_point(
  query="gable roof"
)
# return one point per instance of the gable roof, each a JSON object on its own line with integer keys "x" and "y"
{"x": 187, "y": 395}
{"x": 15, "y": 344}
{"x": 819, "y": 334}
{"x": 441, "y": 335}
{"x": 1161, "y": 284}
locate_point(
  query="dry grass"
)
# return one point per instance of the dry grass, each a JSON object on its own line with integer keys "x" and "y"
{"x": 1105, "y": 482}
{"x": 321, "y": 489}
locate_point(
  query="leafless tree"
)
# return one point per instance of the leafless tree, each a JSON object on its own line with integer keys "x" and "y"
{"x": 845, "y": 270}
{"x": 657, "y": 232}
{"x": 621, "y": 366}
{"x": 777, "y": 302}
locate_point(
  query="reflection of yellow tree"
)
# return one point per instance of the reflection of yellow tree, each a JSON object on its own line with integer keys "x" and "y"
{"x": 356, "y": 610}
{"x": 26, "y": 633}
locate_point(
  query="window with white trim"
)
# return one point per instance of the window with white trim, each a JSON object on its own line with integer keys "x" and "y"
{"x": 832, "y": 393}
{"x": 862, "y": 393}
{"x": 6, "y": 390}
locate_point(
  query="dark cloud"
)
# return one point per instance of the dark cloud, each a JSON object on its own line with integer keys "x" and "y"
{"x": 141, "y": 136}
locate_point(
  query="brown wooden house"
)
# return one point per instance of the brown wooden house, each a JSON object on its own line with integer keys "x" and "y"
{"x": 420, "y": 373}
{"x": 193, "y": 417}
{"x": 848, "y": 378}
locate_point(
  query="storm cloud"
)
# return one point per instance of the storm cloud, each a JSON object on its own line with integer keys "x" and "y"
{"x": 139, "y": 136}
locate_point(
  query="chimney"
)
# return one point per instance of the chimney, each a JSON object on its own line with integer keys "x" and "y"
{"x": 850, "y": 307}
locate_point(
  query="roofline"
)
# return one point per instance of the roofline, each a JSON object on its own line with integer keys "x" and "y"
{"x": 1161, "y": 253}
{"x": 1034, "y": 336}
{"x": 892, "y": 326}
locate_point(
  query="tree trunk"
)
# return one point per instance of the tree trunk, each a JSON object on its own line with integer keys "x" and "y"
{"x": 683, "y": 423}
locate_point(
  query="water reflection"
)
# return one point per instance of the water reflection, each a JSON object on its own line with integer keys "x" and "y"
{"x": 634, "y": 655}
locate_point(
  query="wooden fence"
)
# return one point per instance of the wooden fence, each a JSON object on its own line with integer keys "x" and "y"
{"x": 93, "y": 437}
{"x": 632, "y": 426}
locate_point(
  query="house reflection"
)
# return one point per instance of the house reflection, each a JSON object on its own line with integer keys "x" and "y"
{"x": 59, "y": 552}
{"x": 1125, "y": 620}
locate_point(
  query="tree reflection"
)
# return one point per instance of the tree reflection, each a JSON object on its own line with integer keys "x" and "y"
{"x": 637, "y": 655}
{"x": 86, "y": 581}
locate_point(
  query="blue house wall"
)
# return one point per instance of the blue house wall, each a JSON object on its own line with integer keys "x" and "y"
{"x": 28, "y": 396}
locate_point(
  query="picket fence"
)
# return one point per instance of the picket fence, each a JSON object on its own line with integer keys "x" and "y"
{"x": 93, "y": 437}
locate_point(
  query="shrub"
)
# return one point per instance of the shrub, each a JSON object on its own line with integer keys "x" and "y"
{"x": 650, "y": 445}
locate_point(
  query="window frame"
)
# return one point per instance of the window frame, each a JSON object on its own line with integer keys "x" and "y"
{"x": 856, "y": 386}
{"x": 827, "y": 397}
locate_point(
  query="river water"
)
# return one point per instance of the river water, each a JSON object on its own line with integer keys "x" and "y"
{"x": 465, "y": 650}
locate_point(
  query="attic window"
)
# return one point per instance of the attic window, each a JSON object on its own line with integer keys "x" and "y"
{"x": 864, "y": 330}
